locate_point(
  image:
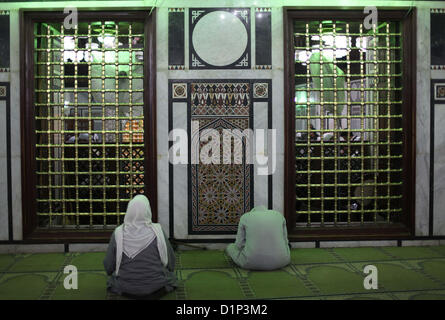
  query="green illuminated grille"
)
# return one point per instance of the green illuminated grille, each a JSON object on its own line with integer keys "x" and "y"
{"x": 348, "y": 104}
{"x": 89, "y": 111}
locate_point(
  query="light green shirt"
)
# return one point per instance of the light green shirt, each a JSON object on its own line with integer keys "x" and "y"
{"x": 261, "y": 242}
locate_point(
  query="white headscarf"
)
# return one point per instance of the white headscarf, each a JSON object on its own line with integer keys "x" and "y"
{"x": 138, "y": 232}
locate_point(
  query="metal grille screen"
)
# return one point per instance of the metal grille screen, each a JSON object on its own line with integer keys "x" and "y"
{"x": 89, "y": 121}
{"x": 348, "y": 107}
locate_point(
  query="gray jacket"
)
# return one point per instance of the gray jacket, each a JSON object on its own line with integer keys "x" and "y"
{"x": 142, "y": 275}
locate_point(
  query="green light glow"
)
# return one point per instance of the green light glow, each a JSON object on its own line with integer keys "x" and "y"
{"x": 342, "y": 4}
{"x": 300, "y": 99}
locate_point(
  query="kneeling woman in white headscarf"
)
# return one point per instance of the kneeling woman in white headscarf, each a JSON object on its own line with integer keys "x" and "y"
{"x": 140, "y": 259}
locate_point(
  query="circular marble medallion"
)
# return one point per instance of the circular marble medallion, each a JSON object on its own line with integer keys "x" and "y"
{"x": 219, "y": 38}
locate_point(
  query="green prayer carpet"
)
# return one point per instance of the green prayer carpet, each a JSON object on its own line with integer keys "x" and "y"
{"x": 404, "y": 273}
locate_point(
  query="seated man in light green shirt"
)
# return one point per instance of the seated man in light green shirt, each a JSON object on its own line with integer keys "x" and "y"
{"x": 261, "y": 242}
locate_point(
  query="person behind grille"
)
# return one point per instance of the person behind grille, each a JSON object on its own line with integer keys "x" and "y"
{"x": 140, "y": 261}
{"x": 261, "y": 241}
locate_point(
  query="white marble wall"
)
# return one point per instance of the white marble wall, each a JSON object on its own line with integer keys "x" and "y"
{"x": 439, "y": 161}
{"x": 439, "y": 169}
{"x": 179, "y": 118}
{"x": 13, "y": 78}
{"x": 3, "y": 175}
{"x": 416, "y": 243}
{"x": 88, "y": 247}
{"x": 16, "y": 184}
{"x": 423, "y": 122}
{"x": 276, "y": 74}
{"x": 278, "y": 112}
{"x": 31, "y": 248}
{"x": 260, "y": 182}
{"x": 4, "y": 234}
{"x": 180, "y": 186}
{"x": 346, "y": 244}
